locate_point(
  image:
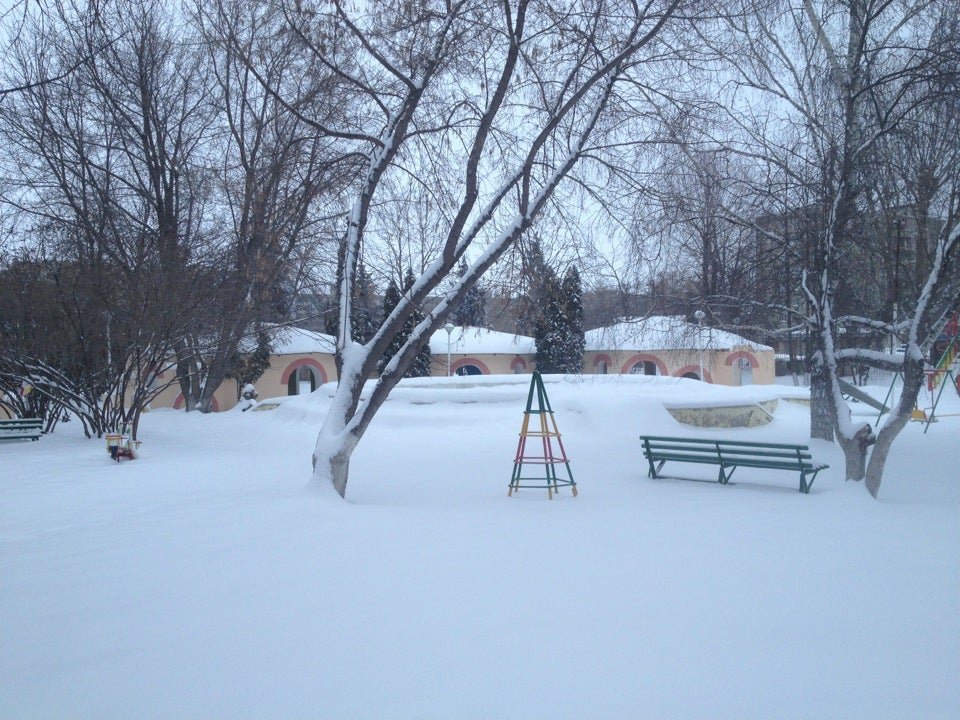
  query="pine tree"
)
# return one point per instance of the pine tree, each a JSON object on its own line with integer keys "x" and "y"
{"x": 473, "y": 309}
{"x": 559, "y": 328}
{"x": 575, "y": 343}
{"x": 420, "y": 367}
{"x": 550, "y": 328}
{"x": 248, "y": 367}
{"x": 532, "y": 300}
{"x": 363, "y": 319}
{"x": 421, "y": 364}
{"x": 391, "y": 297}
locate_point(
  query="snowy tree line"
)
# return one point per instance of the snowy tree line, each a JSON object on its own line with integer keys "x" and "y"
{"x": 172, "y": 174}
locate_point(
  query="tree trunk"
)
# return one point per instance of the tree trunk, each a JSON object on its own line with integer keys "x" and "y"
{"x": 912, "y": 382}
{"x": 855, "y": 452}
{"x": 878, "y": 460}
{"x": 821, "y": 417}
{"x": 215, "y": 378}
{"x": 331, "y": 456}
{"x": 336, "y": 441}
{"x": 331, "y": 468}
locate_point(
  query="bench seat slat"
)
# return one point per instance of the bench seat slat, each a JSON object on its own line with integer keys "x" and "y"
{"x": 698, "y": 441}
{"x": 731, "y": 454}
{"x": 735, "y": 452}
{"x": 733, "y": 462}
{"x": 21, "y": 428}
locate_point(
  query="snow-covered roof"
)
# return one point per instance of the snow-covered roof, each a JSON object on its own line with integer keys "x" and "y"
{"x": 661, "y": 332}
{"x": 466, "y": 340}
{"x": 469, "y": 340}
{"x": 290, "y": 340}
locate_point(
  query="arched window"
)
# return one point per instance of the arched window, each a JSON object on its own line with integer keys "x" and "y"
{"x": 303, "y": 381}
{"x": 645, "y": 367}
{"x": 690, "y": 376}
{"x": 470, "y": 366}
{"x": 743, "y": 364}
{"x": 601, "y": 367}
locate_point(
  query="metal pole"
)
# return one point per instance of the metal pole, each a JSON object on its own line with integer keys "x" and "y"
{"x": 699, "y": 315}
{"x": 449, "y": 328}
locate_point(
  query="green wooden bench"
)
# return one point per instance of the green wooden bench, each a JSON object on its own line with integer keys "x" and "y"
{"x": 730, "y": 455}
{"x": 21, "y": 429}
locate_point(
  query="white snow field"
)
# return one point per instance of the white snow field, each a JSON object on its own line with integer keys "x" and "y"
{"x": 204, "y": 580}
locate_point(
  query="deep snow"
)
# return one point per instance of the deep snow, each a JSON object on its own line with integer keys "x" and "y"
{"x": 204, "y": 580}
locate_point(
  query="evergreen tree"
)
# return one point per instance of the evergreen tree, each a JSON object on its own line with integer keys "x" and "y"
{"x": 421, "y": 364}
{"x": 473, "y": 309}
{"x": 533, "y": 272}
{"x": 573, "y": 314}
{"x": 558, "y": 331}
{"x": 391, "y": 297}
{"x": 550, "y": 329}
{"x": 420, "y": 367}
{"x": 363, "y": 319}
{"x": 248, "y": 367}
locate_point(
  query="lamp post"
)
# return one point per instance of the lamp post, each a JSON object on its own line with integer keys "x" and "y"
{"x": 449, "y": 328}
{"x": 699, "y": 315}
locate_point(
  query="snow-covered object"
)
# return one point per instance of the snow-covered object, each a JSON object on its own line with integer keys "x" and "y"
{"x": 202, "y": 581}
{"x": 289, "y": 340}
{"x": 248, "y": 398}
{"x": 471, "y": 340}
{"x": 663, "y": 332}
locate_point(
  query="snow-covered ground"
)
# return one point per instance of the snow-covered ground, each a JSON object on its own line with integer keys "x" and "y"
{"x": 204, "y": 580}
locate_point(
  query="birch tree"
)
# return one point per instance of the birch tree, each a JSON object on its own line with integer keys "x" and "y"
{"x": 277, "y": 178}
{"x": 98, "y": 167}
{"x": 837, "y": 78}
{"x": 508, "y": 96}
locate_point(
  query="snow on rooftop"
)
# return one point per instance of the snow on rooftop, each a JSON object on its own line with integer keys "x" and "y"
{"x": 470, "y": 340}
{"x": 289, "y": 340}
{"x": 465, "y": 340}
{"x": 662, "y": 332}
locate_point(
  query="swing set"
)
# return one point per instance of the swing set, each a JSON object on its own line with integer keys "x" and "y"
{"x": 938, "y": 377}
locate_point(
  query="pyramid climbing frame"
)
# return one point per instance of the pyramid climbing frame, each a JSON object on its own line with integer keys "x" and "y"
{"x": 544, "y": 428}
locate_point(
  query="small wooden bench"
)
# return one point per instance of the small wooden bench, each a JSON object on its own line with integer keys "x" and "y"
{"x": 730, "y": 455}
{"x": 21, "y": 429}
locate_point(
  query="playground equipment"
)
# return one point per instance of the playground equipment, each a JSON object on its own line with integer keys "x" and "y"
{"x": 120, "y": 445}
{"x": 947, "y": 347}
{"x": 859, "y": 395}
{"x": 946, "y": 366}
{"x": 548, "y": 432}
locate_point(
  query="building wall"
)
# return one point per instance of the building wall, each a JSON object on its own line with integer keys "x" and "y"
{"x": 487, "y": 363}
{"x": 224, "y": 398}
{"x": 719, "y": 366}
{"x": 275, "y": 382}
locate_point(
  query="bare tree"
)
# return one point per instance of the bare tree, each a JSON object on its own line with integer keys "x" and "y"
{"x": 276, "y": 169}
{"x": 101, "y": 166}
{"x": 837, "y": 78}
{"x": 509, "y": 93}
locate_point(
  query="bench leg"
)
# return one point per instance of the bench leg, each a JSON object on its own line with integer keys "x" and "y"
{"x": 805, "y": 483}
{"x": 724, "y": 477}
{"x": 652, "y": 472}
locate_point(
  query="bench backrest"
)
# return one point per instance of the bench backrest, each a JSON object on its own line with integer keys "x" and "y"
{"x": 20, "y": 428}
{"x": 658, "y": 446}
{"x": 26, "y": 423}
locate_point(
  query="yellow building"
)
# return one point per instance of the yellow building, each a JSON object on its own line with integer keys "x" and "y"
{"x": 479, "y": 351}
{"x": 670, "y": 346}
{"x": 303, "y": 360}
